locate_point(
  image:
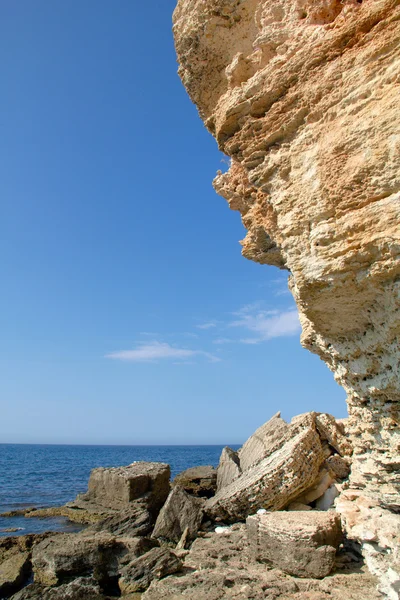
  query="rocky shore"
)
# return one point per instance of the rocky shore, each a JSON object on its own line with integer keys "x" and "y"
{"x": 261, "y": 525}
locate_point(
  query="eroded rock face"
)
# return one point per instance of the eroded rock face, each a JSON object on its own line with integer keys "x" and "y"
{"x": 303, "y": 96}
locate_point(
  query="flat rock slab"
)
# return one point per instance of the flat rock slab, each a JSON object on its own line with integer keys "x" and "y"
{"x": 155, "y": 564}
{"x": 198, "y": 481}
{"x": 180, "y": 514}
{"x": 118, "y": 487}
{"x": 299, "y": 543}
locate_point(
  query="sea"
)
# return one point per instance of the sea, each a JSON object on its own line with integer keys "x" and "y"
{"x": 51, "y": 475}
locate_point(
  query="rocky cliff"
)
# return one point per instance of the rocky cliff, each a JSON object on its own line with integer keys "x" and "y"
{"x": 303, "y": 95}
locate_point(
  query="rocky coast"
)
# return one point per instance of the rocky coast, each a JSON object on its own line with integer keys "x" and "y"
{"x": 303, "y": 97}
{"x": 261, "y": 525}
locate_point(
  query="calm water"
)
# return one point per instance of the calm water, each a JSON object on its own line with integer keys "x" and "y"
{"x": 41, "y": 475}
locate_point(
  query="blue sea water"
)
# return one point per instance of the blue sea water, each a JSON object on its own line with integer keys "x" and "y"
{"x": 50, "y": 475}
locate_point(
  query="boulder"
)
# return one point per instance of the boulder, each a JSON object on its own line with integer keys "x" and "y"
{"x": 228, "y": 468}
{"x": 117, "y": 488}
{"x": 155, "y": 564}
{"x": 180, "y": 512}
{"x": 198, "y": 481}
{"x": 264, "y": 441}
{"x": 83, "y": 588}
{"x": 13, "y": 572}
{"x": 100, "y": 555}
{"x": 291, "y": 468}
{"x": 299, "y": 543}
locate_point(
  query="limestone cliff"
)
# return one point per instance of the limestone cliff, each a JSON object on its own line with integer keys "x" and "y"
{"x": 303, "y": 95}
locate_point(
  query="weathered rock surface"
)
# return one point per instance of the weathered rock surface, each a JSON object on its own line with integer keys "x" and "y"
{"x": 303, "y": 96}
{"x": 155, "y": 564}
{"x": 279, "y": 469}
{"x": 228, "y": 468}
{"x": 133, "y": 521}
{"x": 180, "y": 513}
{"x": 13, "y": 573}
{"x": 198, "y": 481}
{"x": 303, "y": 544}
{"x": 15, "y": 561}
{"x": 217, "y": 567}
{"x": 82, "y": 588}
{"x": 57, "y": 560}
{"x": 264, "y": 441}
{"x": 117, "y": 488}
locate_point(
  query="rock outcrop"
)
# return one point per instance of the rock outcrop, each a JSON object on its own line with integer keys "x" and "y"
{"x": 303, "y": 97}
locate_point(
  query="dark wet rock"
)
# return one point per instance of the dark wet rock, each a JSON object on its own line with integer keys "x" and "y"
{"x": 198, "y": 481}
{"x": 156, "y": 564}
{"x": 180, "y": 512}
{"x": 299, "y": 543}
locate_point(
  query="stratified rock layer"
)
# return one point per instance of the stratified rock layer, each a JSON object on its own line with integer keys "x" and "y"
{"x": 303, "y": 96}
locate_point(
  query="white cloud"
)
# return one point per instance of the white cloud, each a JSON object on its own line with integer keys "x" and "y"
{"x": 208, "y": 325}
{"x": 154, "y": 351}
{"x": 267, "y": 324}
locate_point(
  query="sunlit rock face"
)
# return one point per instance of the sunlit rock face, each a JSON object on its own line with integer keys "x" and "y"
{"x": 304, "y": 96}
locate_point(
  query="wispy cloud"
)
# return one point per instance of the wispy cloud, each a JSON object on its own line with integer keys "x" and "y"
{"x": 155, "y": 351}
{"x": 208, "y": 325}
{"x": 220, "y": 341}
{"x": 266, "y": 324}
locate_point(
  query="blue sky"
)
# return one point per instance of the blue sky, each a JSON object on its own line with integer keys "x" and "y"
{"x": 127, "y": 313}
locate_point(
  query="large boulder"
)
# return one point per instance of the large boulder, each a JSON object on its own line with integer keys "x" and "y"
{"x": 116, "y": 488}
{"x": 82, "y": 588}
{"x": 301, "y": 543}
{"x": 279, "y": 464}
{"x": 287, "y": 469}
{"x": 155, "y": 564}
{"x": 180, "y": 514}
{"x": 198, "y": 481}
{"x": 57, "y": 560}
